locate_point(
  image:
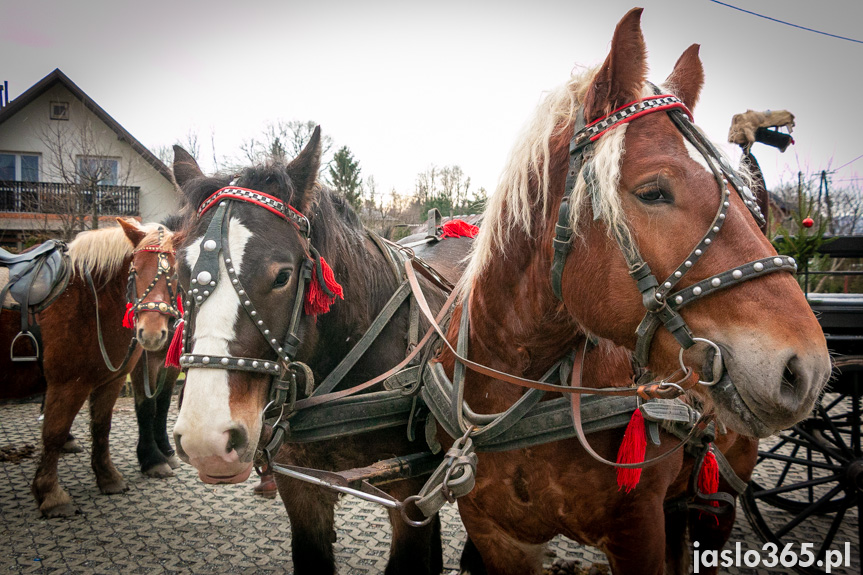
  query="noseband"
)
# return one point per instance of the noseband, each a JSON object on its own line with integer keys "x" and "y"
{"x": 660, "y": 303}
{"x": 215, "y": 248}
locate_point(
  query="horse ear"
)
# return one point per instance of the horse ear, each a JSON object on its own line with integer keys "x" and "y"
{"x": 621, "y": 77}
{"x": 133, "y": 230}
{"x": 687, "y": 78}
{"x": 185, "y": 167}
{"x": 303, "y": 171}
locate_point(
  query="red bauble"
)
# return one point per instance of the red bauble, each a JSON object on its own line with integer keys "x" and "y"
{"x": 808, "y": 222}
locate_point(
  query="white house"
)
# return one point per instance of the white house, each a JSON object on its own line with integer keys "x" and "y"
{"x": 60, "y": 152}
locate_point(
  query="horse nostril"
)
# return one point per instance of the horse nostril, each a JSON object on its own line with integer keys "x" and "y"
{"x": 180, "y": 451}
{"x": 789, "y": 377}
{"x": 164, "y": 333}
{"x": 237, "y": 439}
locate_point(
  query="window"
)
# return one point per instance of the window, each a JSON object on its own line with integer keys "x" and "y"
{"x": 59, "y": 110}
{"x": 19, "y": 167}
{"x": 103, "y": 171}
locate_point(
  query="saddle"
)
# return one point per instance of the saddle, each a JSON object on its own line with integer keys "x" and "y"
{"x": 30, "y": 282}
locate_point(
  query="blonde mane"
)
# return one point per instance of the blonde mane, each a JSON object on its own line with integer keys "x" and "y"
{"x": 523, "y": 188}
{"x": 515, "y": 201}
{"x": 103, "y": 251}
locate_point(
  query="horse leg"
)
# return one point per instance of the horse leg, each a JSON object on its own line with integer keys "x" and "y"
{"x": 413, "y": 549}
{"x": 676, "y": 551}
{"x": 102, "y": 400}
{"x": 638, "y": 547}
{"x": 312, "y": 515}
{"x": 60, "y": 411}
{"x": 471, "y": 561}
{"x": 497, "y": 550}
{"x": 711, "y": 532}
{"x": 160, "y": 422}
{"x": 153, "y": 463}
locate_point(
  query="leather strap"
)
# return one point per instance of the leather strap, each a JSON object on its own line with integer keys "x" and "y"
{"x": 132, "y": 345}
{"x": 668, "y": 392}
{"x": 575, "y": 398}
{"x": 367, "y": 339}
{"x": 325, "y": 398}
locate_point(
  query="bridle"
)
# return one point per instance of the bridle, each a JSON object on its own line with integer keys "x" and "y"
{"x": 215, "y": 248}
{"x": 134, "y": 304}
{"x": 661, "y": 304}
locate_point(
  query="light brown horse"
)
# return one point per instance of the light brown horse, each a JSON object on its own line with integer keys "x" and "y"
{"x": 655, "y": 195}
{"x": 74, "y": 368}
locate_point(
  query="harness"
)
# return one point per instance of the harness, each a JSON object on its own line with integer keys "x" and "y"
{"x": 661, "y": 304}
{"x": 135, "y": 305}
{"x": 528, "y": 421}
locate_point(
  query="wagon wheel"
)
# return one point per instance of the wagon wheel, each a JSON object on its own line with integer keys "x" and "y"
{"x": 808, "y": 479}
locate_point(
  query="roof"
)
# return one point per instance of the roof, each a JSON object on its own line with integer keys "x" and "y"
{"x": 58, "y": 77}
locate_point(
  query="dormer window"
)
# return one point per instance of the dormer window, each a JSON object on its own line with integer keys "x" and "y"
{"x": 59, "y": 110}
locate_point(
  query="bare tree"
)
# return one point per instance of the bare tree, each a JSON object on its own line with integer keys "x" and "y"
{"x": 88, "y": 171}
{"x": 282, "y": 140}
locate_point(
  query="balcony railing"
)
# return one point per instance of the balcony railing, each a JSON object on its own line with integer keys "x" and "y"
{"x": 53, "y": 198}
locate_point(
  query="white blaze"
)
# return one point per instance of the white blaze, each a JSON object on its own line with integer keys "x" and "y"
{"x": 206, "y": 412}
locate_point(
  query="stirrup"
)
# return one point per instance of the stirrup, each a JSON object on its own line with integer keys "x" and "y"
{"x": 12, "y": 355}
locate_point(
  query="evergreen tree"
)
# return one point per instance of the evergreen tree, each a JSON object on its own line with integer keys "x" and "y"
{"x": 344, "y": 177}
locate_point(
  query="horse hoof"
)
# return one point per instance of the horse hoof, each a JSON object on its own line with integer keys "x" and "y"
{"x": 62, "y": 510}
{"x": 159, "y": 471}
{"x": 72, "y": 446}
{"x": 114, "y": 487}
{"x": 174, "y": 462}
{"x": 266, "y": 487}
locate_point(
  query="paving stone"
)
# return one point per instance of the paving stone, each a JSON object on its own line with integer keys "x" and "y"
{"x": 180, "y": 525}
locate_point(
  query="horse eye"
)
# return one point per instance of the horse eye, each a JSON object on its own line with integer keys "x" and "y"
{"x": 282, "y": 278}
{"x": 653, "y": 195}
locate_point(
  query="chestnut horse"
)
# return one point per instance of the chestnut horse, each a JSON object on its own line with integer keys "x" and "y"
{"x": 279, "y": 218}
{"x": 74, "y": 366}
{"x": 155, "y": 454}
{"x": 664, "y": 201}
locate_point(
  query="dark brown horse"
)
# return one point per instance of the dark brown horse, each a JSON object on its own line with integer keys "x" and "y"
{"x": 262, "y": 245}
{"x": 656, "y": 201}
{"x": 74, "y": 368}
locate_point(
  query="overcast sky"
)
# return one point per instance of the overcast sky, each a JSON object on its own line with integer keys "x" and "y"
{"x": 409, "y": 84}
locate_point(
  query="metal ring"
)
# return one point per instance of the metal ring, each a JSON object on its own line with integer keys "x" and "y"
{"x": 408, "y": 520}
{"x": 667, "y": 384}
{"x": 717, "y": 362}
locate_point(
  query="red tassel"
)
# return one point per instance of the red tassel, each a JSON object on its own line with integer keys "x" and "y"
{"x": 180, "y": 305}
{"x": 317, "y": 300}
{"x": 459, "y": 229}
{"x": 176, "y": 347}
{"x": 129, "y": 316}
{"x": 708, "y": 479}
{"x": 632, "y": 450}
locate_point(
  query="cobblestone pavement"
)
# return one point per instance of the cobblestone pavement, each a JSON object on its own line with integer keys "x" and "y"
{"x": 180, "y": 525}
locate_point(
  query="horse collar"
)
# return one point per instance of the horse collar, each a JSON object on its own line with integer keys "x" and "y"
{"x": 660, "y": 303}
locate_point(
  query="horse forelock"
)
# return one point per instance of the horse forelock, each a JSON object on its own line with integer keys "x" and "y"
{"x": 103, "y": 251}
